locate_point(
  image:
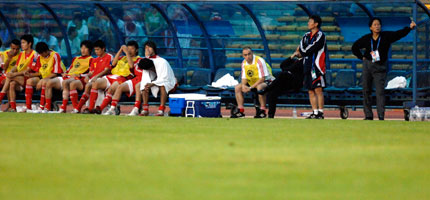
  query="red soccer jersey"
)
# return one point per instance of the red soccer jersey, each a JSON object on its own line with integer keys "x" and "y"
{"x": 101, "y": 63}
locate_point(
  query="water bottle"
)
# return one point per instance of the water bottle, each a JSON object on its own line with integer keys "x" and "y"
{"x": 294, "y": 113}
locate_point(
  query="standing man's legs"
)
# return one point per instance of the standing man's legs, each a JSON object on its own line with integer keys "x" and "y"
{"x": 367, "y": 90}
{"x": 320, "y": 98}
{"x": 379, "y": 78}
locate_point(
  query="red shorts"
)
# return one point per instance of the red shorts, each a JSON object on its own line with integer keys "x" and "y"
{"x": 82, "y": 79}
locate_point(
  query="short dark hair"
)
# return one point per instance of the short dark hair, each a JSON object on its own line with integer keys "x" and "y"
{"x": 247, "y": 48}
{"x": 87, "y": 44}
{"x": 151, "y": 44}
{"x": 41, "y": 47}
{"x": 28, "y": 38}
{"x": 373, "y": 19}
{"x": 100, "y": 44}
{"x": 146, "y": 64}
{"x": 133, "y": 43}
{"x": 317, "y": 19}
{"x": 15, "y": 42}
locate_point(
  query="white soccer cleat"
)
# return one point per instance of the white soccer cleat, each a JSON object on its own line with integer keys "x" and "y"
{"x": 74, "y": 111}
{"x": 61, "y": 111}
{"x": 111, "y": 111}
{"x": 144, "y": 113}
{"x": 44, "y": 111}
{"x": 134, "y": 112}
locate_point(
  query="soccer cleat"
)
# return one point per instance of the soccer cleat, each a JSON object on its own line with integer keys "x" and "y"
{"x": 111, "y": 111}
{"x": 61, "y": 111}
{"x": 44, "y": 111}
{"x": 144, "y": 113}
{"x": 74, "y": 111}
{"x": 160, "y": 113}
{"x": 97, "y": 110}
{"x": 261, "y": 114}
{"x": 320, "y": 115}
{"x": 86, "y": 111}
{"x": 312, "y": 116}
{"x": 134, "y": 112}
{"x": 238, "y": 115}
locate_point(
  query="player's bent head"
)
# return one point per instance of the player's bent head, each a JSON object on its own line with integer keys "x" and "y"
{"x": 316, "y": 19}
{"x": 15, "y": 42}
{"x": 42, "y": 48}
{"x": 28, "y": 39}
{"x": 146, "y": 64}
{"x": 152, "y": 45}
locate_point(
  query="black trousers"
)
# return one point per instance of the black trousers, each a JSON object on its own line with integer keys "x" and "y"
{"x": 374, "y": 73}
{"x": 284, "y": 83}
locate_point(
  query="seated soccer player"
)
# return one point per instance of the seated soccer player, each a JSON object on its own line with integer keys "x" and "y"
{"x": 74, "y": 76}
{"x": 119, "y": 74}
{"x": 100, "y": 66}
{"x": 164, "y": 80}
{"x": 256, "y": 74}
{"x": 8, "y": 61}
{"x": 15, "y": 79}
{"x": 48, "y": 66}
{"x": 130, "y": 87}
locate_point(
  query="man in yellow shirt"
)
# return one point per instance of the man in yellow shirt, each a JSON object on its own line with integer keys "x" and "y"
{"x": 17, "y": 76}
{"x": 73, "y": 77}
{"x": 256, "y": 73}
{"x": 48, "y": 66}
{"x": 8, "y": 61}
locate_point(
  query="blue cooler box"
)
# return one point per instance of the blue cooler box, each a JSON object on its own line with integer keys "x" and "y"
{"x": 177, "y": 102}
{"x": 203, "y": 106}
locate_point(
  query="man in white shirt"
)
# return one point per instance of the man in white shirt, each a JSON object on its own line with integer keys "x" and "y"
{"x": 157, "y": 76}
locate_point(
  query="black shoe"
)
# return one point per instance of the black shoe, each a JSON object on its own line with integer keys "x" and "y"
{"x": 86, "y": 111}
{"x": 368, "y": 118}
{"x": 97, "y": 111}
{"x": 260, "y": 114}
{"x": 238, "y": 115}
{"x": 320, "y": 115}
{"x": 312, "y": 116}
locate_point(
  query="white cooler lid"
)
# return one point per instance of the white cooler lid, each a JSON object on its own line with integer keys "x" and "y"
{"x": 202, "y": 98}
{"x": 193, "y": 95}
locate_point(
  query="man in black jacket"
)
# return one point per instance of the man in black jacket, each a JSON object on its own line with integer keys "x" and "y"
{"x": 376, "y": 45}
{"x": 289, "y": 80}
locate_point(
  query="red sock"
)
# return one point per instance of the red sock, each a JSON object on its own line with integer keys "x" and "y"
{"x": 13, "y": 105}
{"x": 74, "y": 98}
{"x": 48, "y": 104}
{"x": 137, "y": 104}
{"x": 106, "y": 101}
{"x": 64, "y": 105}
{"x": 93, "y": 98}
{"x": 242, "y": 110}
{"x": 42, "y": 98}
{"x": 28, "y": 96}
{"x": 114, "y": 103}
{"x": 2, "y": 94}
{"x": 162, "y": 108}
{"x": 262, "y": 107}
{"x": 146, "y": 107}
{"x": 83, "y": 100}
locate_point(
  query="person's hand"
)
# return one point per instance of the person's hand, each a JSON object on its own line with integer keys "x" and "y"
{"x": 246, "y": 89}
{"x": 412, "y": 25}
{"x": 27, "y": 74}
{"x": 364, "y": 58}
{"x": 87, "y": 79}
{"x": 148, "y": 86}
{"x": 124, "y": 48}
{"x": 10, "y": 55}
{"x": 10, "y": 75}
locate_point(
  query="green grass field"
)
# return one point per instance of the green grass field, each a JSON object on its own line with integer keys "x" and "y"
{"x": 49, "y": 156}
